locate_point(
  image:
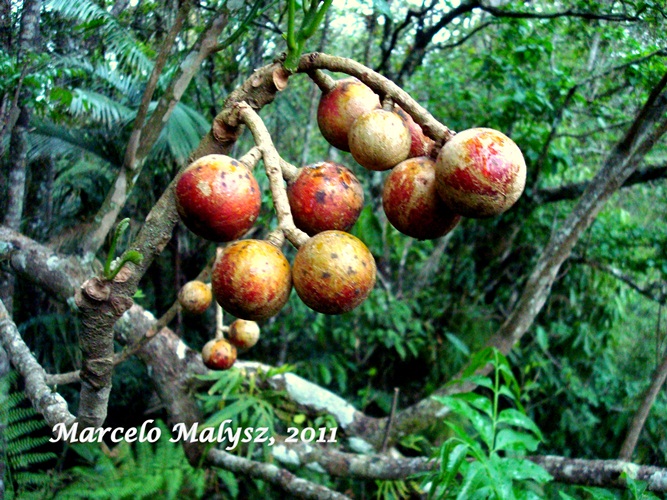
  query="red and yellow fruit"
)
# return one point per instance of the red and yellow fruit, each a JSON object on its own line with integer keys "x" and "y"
{"x": 480, "y": 173}
{"x": 420, "y": 145}
{"x": 412, "y": 204}
{"x": 325, "y": 196}
{"x": 244, "y": 334}
{"x": 251, "y": 280}
{"x": 218, "y": 354}
{"x": 340, "y": 107}
{"x": 218, "y": 198}
{"x": 379, "y": 140}
{"x": 333, "y": 272}
{"x": 195, "y": 297}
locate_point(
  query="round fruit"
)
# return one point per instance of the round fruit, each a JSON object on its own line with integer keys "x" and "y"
{"x": 195, "y": 297}
{"x": 421, "y": 145}
{"x": 411, "y": 201}
{"x": 218, "y": 198}
{"x": 218, "y": 354}
{"x": 333, "y": 272}
{"x": 480, "y": 172}
{"x": 251, "y": 280}
{"x": 379, "y": 140}
{"x": 339, "y": 107}
{"x": 243, "y": 334}
{"x": 325, "y": 196}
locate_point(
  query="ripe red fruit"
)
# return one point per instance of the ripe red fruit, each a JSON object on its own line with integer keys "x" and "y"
{"x": 420, "y": 145}
{"x": 325, "y": 196}
{"x": 195, "y": 297}
{"x": 379, "y": 140}
{"x": 218, "y": 354}
{"x": 340, "y": 106}
{"x": 412, "y": 203}
{"x": 218, "y": 198}
{"x": 480, "y": 173}
{"x": 244, "y": 334}
{"x": 251, "y": 280}
{"x": 333, "y": 272}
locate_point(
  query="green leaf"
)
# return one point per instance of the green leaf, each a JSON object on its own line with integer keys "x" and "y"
{"x": 511, "y": 440}
{"x": 229, "y": 412}
{"x": 515, "y": 418}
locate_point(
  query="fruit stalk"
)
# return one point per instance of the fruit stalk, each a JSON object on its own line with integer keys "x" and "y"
{"x": 273, "y": 162}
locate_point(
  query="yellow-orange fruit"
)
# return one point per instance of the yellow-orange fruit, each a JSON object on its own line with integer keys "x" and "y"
{"x": 251, "y": 280}
{"x": 340, "y": 106}
{"x": 218, "y": 198}
{"x": 411, "y": 202}
{"x": 244, "y": 334}
{"x": 325, "y": 196}
{"x": 218, "y": 354}
{"x": 379, "y": 140}
{"x": 480, "y": 172}
{"x": 195, "y": 297}
{"x": 333, "y": 272}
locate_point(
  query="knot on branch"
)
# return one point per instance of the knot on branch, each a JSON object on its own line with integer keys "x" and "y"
{"x": 97, "y": 372}
{"x": 94, "y": 289}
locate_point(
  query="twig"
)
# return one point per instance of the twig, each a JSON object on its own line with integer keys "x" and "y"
{"x": 390, "y": 422}
{"x": 219, "y": 323}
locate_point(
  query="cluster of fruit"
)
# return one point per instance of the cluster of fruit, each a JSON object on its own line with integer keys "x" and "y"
{"x": 220, "y": 353}
{"x": 477, "y": 173}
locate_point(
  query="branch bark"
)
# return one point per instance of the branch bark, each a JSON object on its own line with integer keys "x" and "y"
{"x": 637, "y": 424}
{"x": 290, "y": 483}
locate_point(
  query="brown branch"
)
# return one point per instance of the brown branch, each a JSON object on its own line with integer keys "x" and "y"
{"x": 382, "y": 86}
{"x": 575, "y": 190}
{"x": 655, "y": 291}
{"x": 50, "y": 404}
{"x": 590, "y": 16}
{"x": 282, "y": 478}
{"x": 637, "y": 424}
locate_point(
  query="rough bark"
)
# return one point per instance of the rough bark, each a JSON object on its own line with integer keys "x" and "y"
{"x": 299, "y": 488}
{"x": 45, "y": 401}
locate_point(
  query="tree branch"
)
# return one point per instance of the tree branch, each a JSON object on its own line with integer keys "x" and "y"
{"x": 143, "y": 136}
{"x": 590, "y": 16}
{"x": 575, "y": 190}
{"x": 282, "y": 478}
{"x": 50, "y": 404}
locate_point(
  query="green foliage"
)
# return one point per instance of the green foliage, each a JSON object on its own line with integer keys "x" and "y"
{"x": 137, "y": 470}
{"x": 484, "y": 458}
{"x": 23, "y": 435}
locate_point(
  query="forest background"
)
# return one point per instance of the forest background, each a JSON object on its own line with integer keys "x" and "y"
{"x": 102, "y": 103}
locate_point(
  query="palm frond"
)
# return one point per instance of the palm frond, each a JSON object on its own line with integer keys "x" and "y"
{"x": 181, "y": 134}
{"x": 100, "y": 108}
{"x": 128, "y": 86}
{"x": 118, "y": 39}
{"x": 58, "y": 140}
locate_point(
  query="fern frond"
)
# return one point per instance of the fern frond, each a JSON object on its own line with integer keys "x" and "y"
{"x": 19, "y": 447}
{"x": 23, "y": 428}
{"x": 25, "y": 460}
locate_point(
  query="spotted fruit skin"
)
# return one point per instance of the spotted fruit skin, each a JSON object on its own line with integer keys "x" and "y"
{"x": 218, "y": 198}
{"x": 195, "y": 297}
{"x": 339, "y": 107}
{"x": 412, "y": 204}
{"x": 244, "y": 334}
{"x": 420, "y": 145}
{"x": 333, "y": 272}
{"x": 219, "y": 354}
{"x": 325, "y": 196}
{"x": 379, "y": 140}
{"x": 251, "y": 280}
{"x": 480, "y": 173}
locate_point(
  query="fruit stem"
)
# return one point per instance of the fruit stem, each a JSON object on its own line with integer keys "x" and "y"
{"x": 251, "y": 158}
{"x": 219, "y": 324}
{"x": 322, "y": 80}
{"x": 276, "y": 238}
{"x": 388, "y": 104}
